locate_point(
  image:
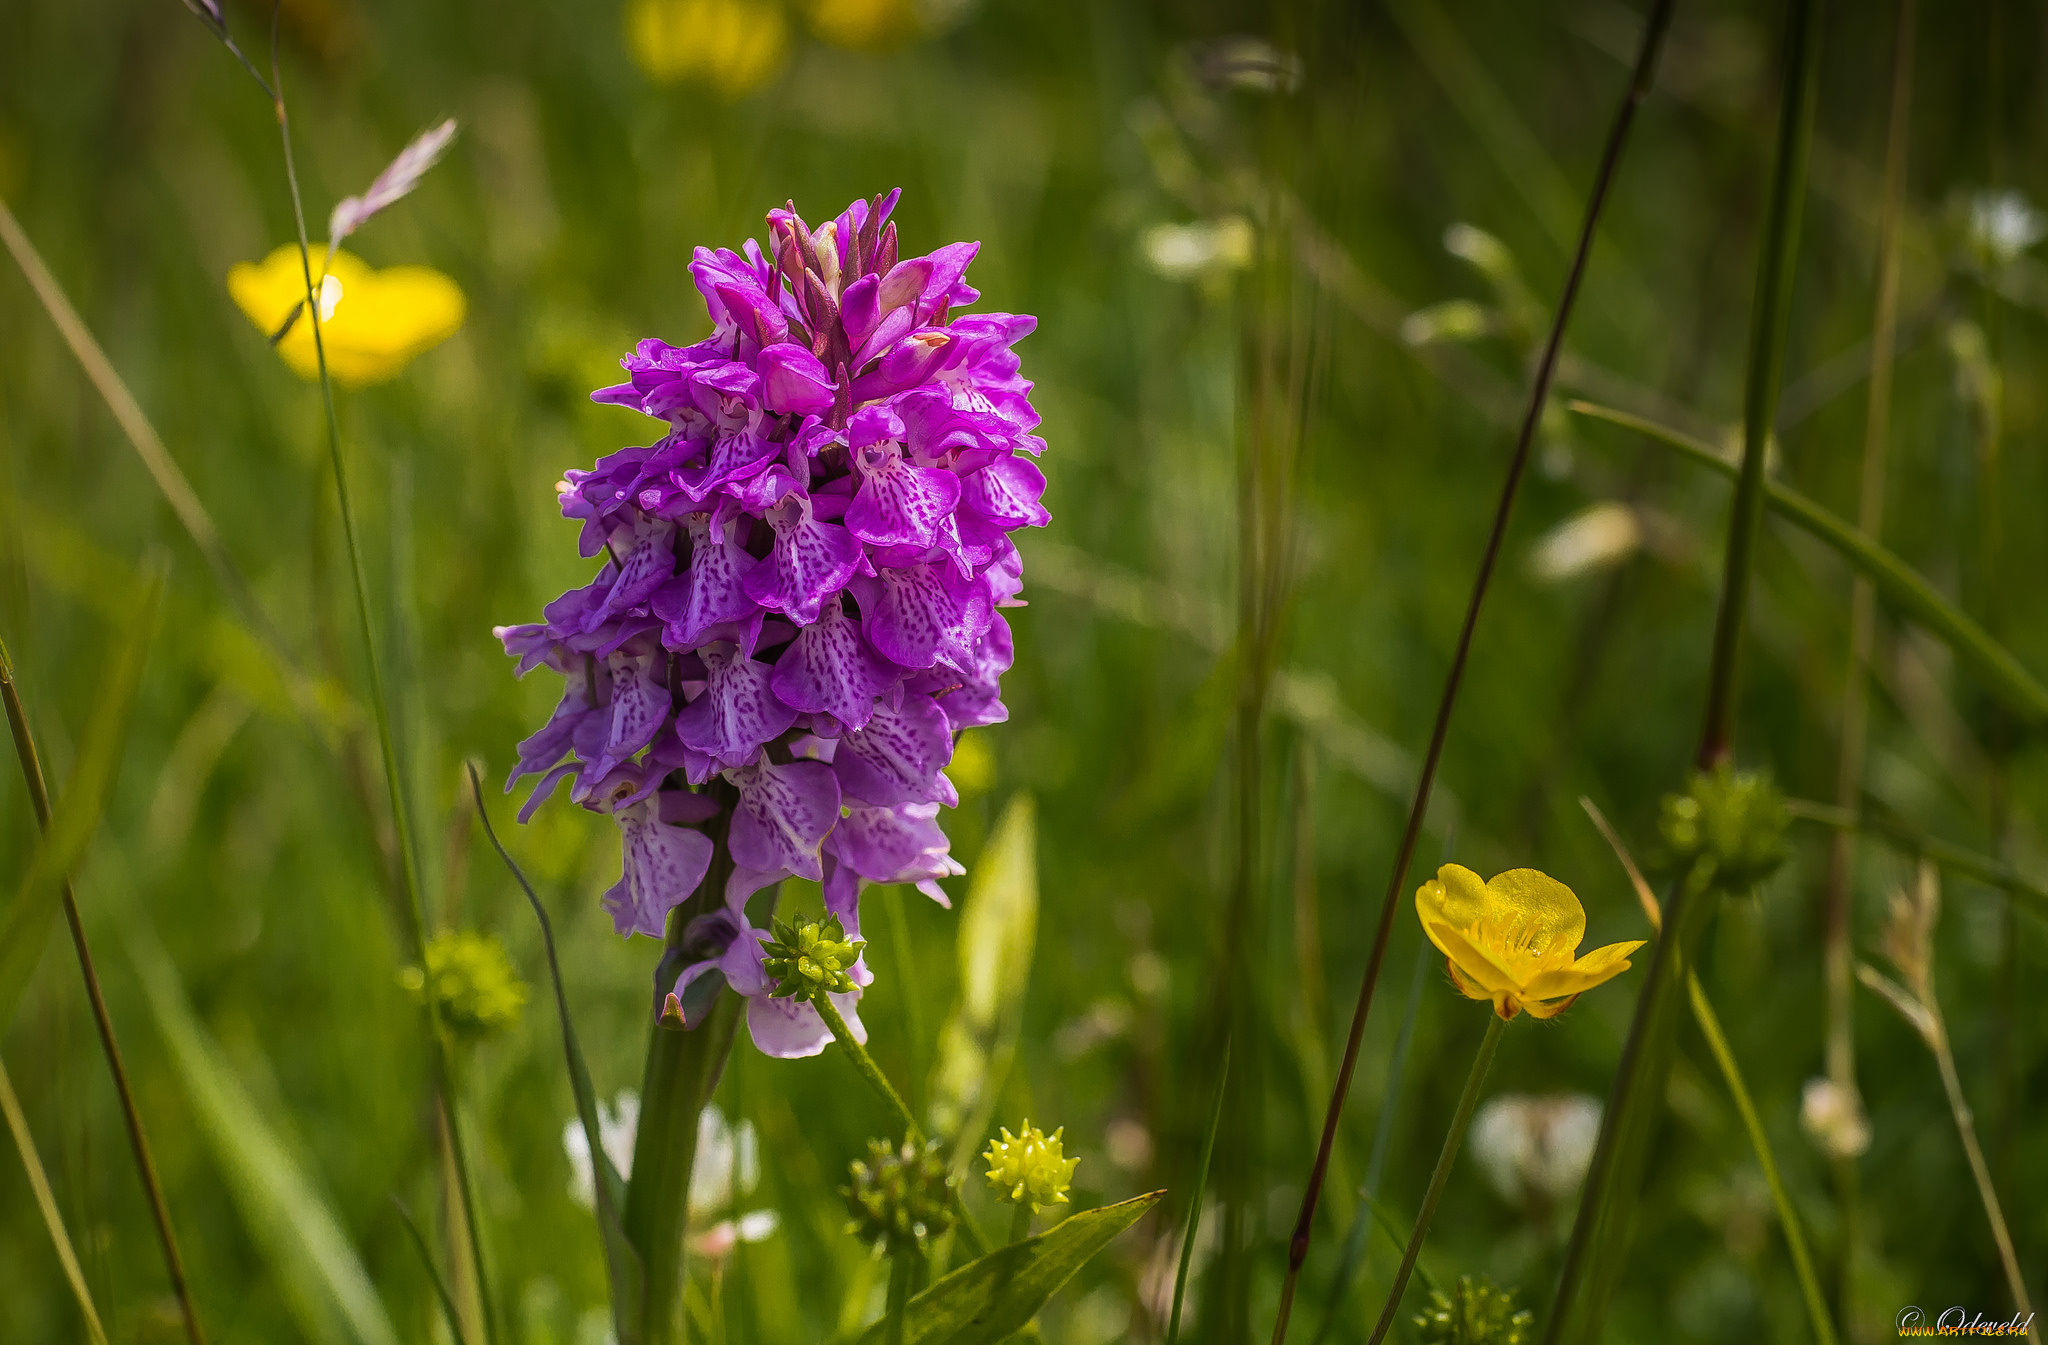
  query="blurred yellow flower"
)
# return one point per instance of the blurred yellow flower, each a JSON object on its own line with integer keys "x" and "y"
{"x": 1514, "y": 939}
{"x": 374, "y": 321}
{"x": 862, "y": 23}
{"x": 735, "y": 45}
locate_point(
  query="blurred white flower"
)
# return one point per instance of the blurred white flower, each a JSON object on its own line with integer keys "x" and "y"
{"x": 1251, "y": 63}
{"x": 2003, "y": 224}
{"x": 727, "y": 1169}
{"x": 1594, "y": 538}
{"x": 1182, "y": 250}
{"x": 1535, "y": 1150}
{"x": 1833, "y": 1118}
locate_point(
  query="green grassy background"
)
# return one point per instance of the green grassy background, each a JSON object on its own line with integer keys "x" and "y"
{"x": 144, "y": 164}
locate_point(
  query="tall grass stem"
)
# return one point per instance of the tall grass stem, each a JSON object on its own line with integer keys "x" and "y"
{"x": 103, "y": 1022}
{"x": 1601, "y": 1231}
{"x": 1454, "y": 1139}
{"x": 46, "y": 1201}
{"x": 1194, "y": 1223}
{"x": 394, "y": 775}
{"x": 1788, "y": 1217}
{"x": 1539, "y": 391}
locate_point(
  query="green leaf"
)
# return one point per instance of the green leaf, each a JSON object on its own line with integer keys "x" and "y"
{"x": 622, "y": 1262}
{"x": 998, "y": 926}
{"x": 1902, "y": 586}
{"x": 989, "y": 1300}
{"x": 317, "y": 1271}
{"x": 27, "y": 925}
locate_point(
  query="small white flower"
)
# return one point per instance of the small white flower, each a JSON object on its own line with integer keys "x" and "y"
{"x": 1179, "y": 251}
{"x": 1832, "y": 1117}
{"x": 727, "y": 1169}
{"x": 1592, "y": 539}
{"x": 2003, "y": 224}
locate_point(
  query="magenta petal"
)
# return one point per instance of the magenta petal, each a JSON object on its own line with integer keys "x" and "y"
{"x": 921, "y": 614}
{"x": 783, "y": 813}
{"x": 1006, "y": 492}
{"x": 711, "y": 591}
{"x": 640, "y": 699}
{"x": 795, "y": 382}
{"x": 737, "y": 710}
{"x": 830, "y": 669}
{"x": 894, "y": 845}
{"x": 664, "y": 864}
{"x": 810, "y": 561}
{"x": 791, "y": 1031}
{"x": 899, "y": 504}
{"x": 899, "y": 757}
{"x": 858, "y": 309}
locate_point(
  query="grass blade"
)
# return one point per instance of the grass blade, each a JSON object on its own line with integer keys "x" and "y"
{"x": 1897, "y": 582}
{"x": 77, "y": 814}
{"x": 628, "y": 1276}
{"x": 39, "y": 1182}
{"x": 1795, "y": 1238}
{"x": 1187, "y": 1242}
{"x": 447, "y": 1300}
{"x": 319, "y": 1274}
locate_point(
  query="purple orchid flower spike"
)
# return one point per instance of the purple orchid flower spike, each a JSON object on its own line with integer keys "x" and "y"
{"x": 796, "y": 605}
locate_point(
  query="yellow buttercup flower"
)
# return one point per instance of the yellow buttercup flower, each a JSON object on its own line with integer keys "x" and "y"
{"x": 863, "y": 23}
{"x": 734, "y": 45}
{"x": 1514, "y": 939}
{"x": 374, "y": 322}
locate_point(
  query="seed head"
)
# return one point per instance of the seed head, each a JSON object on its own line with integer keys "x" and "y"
{"x": 900, "y": 1199}
{"x": 1477, "y": 1313}
{"x": 472, "y": 982}
{"x": 810, "y": 958}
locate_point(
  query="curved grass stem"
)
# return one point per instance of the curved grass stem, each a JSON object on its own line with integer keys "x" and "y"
{"x": 1194, "y": 1224}
{"x": 46, "y": 1201}
{"x": 1454, "y": 1139}
{"x": 1539, "y": 392}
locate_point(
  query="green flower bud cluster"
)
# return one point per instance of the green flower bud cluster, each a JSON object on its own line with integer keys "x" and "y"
{"x": 900, "y": 1199}
{"x": 1728, "y": 828}
{"x": 1031, "y": 1168}
{"x": 472, "y": 981}
{"x": 810, "y": 958}
{"x": 1478, "y": 1313}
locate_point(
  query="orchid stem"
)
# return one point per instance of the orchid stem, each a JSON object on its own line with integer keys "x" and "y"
{"x": 1453, "y": 1140}
{"x": 879, "y": 1081}
{"x": 1539, "y": 392}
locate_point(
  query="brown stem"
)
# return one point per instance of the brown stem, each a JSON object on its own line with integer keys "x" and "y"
{"x": 1639, "y": 87}
{"x": 138, "y": 1140}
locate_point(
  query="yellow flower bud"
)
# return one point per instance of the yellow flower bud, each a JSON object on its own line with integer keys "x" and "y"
{"x": 1030, "y": 1168}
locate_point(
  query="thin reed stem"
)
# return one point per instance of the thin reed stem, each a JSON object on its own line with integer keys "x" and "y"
{"x": 1966, "y": 1127}
{"x": 1539, "y": 391}
{"x": 131, "y": 1114}
{"x": 1454, "y": 1139}
{"x": 1788, "y": 1218}
{"x": 879, "y": 1081}
{"x": 1194, "y": 1224}
{"x": 1601, "y": 1230}
{"x": 394, "y": 777}
{"x": 441, "y": 1294}
{"x": 46, "y": 1201}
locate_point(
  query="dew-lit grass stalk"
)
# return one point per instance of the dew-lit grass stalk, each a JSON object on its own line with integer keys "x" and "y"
{"x": 914, "y": 1133}
{"x": 1194, "y": 1223}
{"x": 1838, "y": 959}
{"x": 394, "y": 776}
{"x": 1454, "y": 1139}
{"x": 46, "y": 1201}
{"x": 1601, "y": 1231}
{"x": 1539, "y": 391}
{"x": 131, "y": 1115}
